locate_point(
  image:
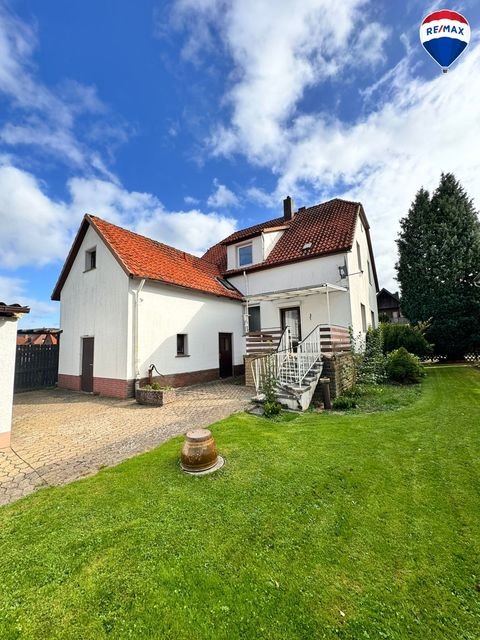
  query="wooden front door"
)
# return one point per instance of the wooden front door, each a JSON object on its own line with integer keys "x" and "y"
{"x": 290, "y": 317}
{"x": 87, "y": 364}
{"x": 225, "y": 354}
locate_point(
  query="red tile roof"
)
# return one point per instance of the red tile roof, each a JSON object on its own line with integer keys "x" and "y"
{"x": 329, "y": 227}
{"x": 142, "y": 257}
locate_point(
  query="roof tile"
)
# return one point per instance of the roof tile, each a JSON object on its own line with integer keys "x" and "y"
{"x": 329, "y": 227}
{"x": 146, "y": 258}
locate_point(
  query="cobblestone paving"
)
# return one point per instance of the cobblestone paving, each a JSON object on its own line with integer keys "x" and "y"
{"x": 59, "y": 436}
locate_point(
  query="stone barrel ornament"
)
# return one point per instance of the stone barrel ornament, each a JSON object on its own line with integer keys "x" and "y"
{"x": 199, "y": 453}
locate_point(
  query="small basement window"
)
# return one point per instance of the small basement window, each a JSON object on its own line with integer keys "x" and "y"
{"x": 90, "y": 259}
{"x": 245, "y": 255}
{"x": 182, "y": 344}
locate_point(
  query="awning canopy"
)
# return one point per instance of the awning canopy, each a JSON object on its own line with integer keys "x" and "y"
{"x": 284, "y": 294}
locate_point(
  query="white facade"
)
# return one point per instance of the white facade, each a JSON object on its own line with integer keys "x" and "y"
{"x": 361, "y": 285}
{"x": 137, "y": 323}
{"x": 8, "y": 342}
{"x": 102, "y": 303}
{"x": 165, "y": 311}
{"x": 341, "y": 307}
{"x": 94, "y": 303}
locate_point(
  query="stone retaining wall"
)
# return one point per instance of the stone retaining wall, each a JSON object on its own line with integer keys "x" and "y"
{"x": 341, "y": 371}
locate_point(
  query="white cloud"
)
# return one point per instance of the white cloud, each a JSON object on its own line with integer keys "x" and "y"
{"x": 43, "y": 118}
{"x": 11, "y": 290}
{"x": 222, "y": 197}
{"x": 277, "y": 55}
{"x": 34, "y": 228}
{"x": 424, "y": 128}
{"x": 409, "y": 131}
{"x": 191, "y": 200}
{"x": 42, "y": 313}
{"x": 37, "y": 229}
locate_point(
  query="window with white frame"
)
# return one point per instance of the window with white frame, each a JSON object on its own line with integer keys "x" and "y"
{"x": 245, "y": 255}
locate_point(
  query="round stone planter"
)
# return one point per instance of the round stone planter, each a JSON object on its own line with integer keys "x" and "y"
{"x": 154, "y": 397}
{"x": 199, "y": 452}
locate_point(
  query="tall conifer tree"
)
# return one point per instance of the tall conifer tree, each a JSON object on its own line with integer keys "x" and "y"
{"x": 439, "y": 258}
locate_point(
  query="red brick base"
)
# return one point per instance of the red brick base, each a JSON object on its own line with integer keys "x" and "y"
{"x": 114, "y": 388}
{"x": 110, "y": 387}
{"x": 69, "y": 382}
{"x": 191, "y": 377}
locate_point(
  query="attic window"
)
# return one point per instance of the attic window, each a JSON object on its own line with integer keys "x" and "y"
{"x": 90, "y": 259}
{"x": 245, "y": 255}
{"x": 228, "y": 285}
{"x": 307, "y": 245}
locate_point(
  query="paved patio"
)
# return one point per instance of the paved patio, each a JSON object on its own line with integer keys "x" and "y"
{"x": 59, "y": 436}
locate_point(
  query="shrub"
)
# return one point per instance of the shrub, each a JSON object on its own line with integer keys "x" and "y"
{"x": 156, "y": 386}
{"x": 344, "y": 402}
{"x": 372, "y": 365}
{"x": 269, "y": 388}
{"x": 404, "y": 367}
{"x": 271, "y": 408}
{"x": 405, "y": 335}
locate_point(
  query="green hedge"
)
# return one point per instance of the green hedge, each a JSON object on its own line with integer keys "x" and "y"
{"x": 407, "y": 336}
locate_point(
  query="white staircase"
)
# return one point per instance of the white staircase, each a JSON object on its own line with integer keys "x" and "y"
{"x": 296, "y": 372}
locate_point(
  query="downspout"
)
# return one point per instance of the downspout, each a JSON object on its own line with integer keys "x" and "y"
{"x": 136, "y": 319}
{"x": 246, "y": 315}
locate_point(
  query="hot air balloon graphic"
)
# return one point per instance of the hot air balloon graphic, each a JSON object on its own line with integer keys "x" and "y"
{"x": 445, "y": 35}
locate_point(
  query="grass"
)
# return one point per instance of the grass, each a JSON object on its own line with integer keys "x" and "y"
{"x": 325, "y": 526}
{"x": 386, "y": 397}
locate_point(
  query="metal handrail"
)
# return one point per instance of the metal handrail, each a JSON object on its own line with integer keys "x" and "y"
{"x": 286, "y": 365}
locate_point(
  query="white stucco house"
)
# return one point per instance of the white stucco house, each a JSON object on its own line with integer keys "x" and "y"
{"x": 129, "y": 302}
{"x": 9, "y": 314}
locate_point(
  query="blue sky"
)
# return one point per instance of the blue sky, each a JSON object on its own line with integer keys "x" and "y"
{"x": 185, "y": 120}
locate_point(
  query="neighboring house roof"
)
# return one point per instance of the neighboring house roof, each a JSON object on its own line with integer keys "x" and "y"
{"x": 387, "y": 300}
{"x": 329, "y": 227}
{"x": 11, "y": 310}
{"x": 141, "y": 257}
{"x": 38, "y": 336}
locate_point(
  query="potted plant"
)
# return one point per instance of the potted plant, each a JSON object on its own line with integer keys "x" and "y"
{"x": 154, "y": 394}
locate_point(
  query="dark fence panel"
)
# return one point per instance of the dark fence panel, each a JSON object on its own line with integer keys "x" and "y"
{"x": 36, "y": 366}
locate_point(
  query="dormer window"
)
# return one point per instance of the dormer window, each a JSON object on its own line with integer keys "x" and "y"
{"x": 90, "y": 259}
{"x": 245, "y": 255}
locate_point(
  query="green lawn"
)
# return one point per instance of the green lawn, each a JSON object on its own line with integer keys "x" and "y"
{"x": 325, "y": 526}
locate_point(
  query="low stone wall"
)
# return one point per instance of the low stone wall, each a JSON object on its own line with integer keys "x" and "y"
{"x": 341, "y": 371}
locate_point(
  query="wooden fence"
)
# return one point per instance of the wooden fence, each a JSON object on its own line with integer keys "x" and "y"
{"x": 36, "y": 366}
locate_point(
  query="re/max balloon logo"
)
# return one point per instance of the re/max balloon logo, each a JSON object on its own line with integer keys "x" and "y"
{"x": 445, "y": 35}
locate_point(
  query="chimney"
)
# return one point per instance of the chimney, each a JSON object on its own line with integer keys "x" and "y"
{"x": 288, "y": 207}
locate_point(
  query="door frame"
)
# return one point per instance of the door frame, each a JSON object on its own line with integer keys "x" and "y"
{"x": 220, "y": 334}
{"x": 282, "y": 319}
{"x": 83, "y": 379}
